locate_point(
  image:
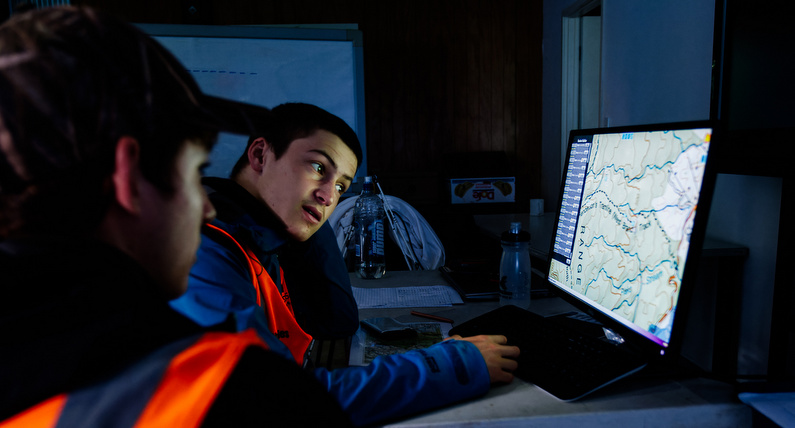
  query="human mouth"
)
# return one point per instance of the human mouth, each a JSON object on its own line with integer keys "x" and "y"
{"x": 313, "y": 214}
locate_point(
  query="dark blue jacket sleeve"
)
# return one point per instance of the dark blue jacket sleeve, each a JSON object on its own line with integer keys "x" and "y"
{"x": 391, "y": 386}
{"x": 319, "y": 285}
{"x": 404, "y": 384}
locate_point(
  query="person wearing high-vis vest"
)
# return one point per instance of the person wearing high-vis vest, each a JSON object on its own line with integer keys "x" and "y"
{"x": 103, "y": 136}
{"x": 282, "y": 191}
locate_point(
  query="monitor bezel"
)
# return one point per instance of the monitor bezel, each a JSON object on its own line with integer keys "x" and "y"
{"x": 632, "y": 338}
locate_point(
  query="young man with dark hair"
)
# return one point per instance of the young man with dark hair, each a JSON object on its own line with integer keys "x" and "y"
{"x": 323, "y": 304}
{"x": 282, "y": 191}
{"x": 103, "y": 135}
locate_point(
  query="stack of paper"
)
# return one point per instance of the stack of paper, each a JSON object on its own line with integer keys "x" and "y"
{"x": 433, "y": 296}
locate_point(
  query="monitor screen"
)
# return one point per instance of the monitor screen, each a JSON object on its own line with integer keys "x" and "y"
{"x": 623, "y": 235}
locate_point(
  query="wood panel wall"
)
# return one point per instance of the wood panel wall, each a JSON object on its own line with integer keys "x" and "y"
{"x": 441, "y": 76}
{"x": 452, "y": 87}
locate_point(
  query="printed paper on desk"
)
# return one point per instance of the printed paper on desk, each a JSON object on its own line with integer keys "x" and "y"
{"x": 366, "y": 347}
{"x": 434, "y": 296}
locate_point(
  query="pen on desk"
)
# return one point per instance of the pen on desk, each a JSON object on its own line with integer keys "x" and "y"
{"x": 432, "y": 317}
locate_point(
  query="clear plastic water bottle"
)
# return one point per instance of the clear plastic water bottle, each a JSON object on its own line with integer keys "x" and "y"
{"x": 515, "y": 267}
{"x": 368, "y": 216}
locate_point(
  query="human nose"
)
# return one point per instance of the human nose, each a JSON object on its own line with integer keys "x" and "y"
{"x": 325, "y": 194}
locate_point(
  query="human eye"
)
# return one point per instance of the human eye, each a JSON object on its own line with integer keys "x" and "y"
{"x": 318, "y": 167}
{"x": 340, "y": 188}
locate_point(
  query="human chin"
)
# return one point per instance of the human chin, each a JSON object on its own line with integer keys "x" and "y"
{"x": 302, "y": 232}
{"x": 175, "y": 282}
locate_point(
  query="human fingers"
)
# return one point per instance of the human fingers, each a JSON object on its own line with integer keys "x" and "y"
{"x": 486, "y": 339}
{"x": 499, "y": 357}
{"x": 497, "y": 338}
{"x": 497, "y": 375}
{"x": 496, "y": 342}
{"x": 500, "y": 362}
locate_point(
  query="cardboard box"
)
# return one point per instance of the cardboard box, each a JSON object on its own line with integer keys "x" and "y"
{"x": 482, "y": 190}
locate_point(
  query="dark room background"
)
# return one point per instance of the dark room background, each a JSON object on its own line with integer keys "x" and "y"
{"x": 452, "y": 87}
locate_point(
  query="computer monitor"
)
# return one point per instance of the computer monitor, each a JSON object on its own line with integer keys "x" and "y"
{"x": 634, "y": 204}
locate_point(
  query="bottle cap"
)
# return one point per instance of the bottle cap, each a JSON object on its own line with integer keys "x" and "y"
{"x": 368, "y": 186}
{"x": 515, "y": 233}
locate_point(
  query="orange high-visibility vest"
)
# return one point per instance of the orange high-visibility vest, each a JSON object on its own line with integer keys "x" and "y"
{"x": 174, "y": 386}
{"x": 277, "y": 307}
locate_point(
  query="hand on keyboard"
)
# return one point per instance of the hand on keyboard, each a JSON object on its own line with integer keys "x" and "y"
{"x": 500, "y": 358}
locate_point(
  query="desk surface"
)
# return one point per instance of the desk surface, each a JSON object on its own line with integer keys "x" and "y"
{"x": 458, "y": 313}
{"x": 630, "y": 402}
{"x": 541, "y": 227}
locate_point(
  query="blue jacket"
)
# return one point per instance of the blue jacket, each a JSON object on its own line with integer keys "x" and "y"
{"x": 389, "y": 387}
{"x": 80, "y": 317}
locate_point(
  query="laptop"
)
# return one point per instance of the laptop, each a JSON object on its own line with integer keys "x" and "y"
{"x": 631, "y": 219}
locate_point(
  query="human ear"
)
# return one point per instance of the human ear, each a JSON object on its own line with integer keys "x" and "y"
{"x": 256, "y": 154}
{"x": 126, "y": 174}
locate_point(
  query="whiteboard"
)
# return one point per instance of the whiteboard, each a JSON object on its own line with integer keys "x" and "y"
{"x": 269, "y": 66}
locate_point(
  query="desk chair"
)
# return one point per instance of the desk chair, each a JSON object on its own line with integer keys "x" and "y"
{"x": 417, "y": 240}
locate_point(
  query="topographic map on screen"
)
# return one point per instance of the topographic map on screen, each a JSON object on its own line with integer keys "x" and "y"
{"x": 632, "y": 205}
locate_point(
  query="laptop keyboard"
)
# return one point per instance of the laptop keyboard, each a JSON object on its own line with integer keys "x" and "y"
{"x": 561, "y": 360}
